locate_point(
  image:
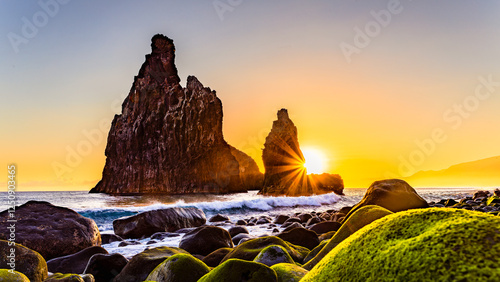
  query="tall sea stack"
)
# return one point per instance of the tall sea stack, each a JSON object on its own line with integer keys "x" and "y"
{"x": 168, "y": 139}
{"x": 284, "y": 163}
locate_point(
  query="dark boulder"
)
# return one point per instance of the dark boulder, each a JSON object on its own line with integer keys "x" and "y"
{"x": 214, "y": 258}
{"x": 206, "y": 239}
{"x": 50, "y": 230}
{"x": 105, "y": 267}
{"x": 300, "y": 236}
{"x": 235, "y": 230}
{"x": 110, "y": 238}
{"x": 147, "y": 223}
{"x": 74, "y": 263}
{"x": 392, "y": 194}
{"x": 325, "y": 226}
{"x": 218, "y": 217}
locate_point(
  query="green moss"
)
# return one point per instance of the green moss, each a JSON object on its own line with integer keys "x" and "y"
{"x": 6, "y": 275}
{"x": 435, "y": 244}
{"x": 179, "y": 267}
{"x": 288, "y": 272}
{"x": 240, "y": 270}
{"x": 272, "y": 255}
{"x": 361, "y": 217}
{"x": 493, "y": 200}
{"x": 64, "y": 278}
{"x": 248, "y": 250}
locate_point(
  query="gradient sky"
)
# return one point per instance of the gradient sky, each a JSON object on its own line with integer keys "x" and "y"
{"x": 364, "y": 115}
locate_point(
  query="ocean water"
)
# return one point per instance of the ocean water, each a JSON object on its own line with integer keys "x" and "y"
{"x": 103, "y": 209}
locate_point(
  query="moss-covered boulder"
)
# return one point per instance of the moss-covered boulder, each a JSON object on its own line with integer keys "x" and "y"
{"x": 361, "y": 217}
{"x": 8, "y": 275}
{"x": 141, "y": 265}
{"x": 214, "y": 258}
{"x": 392, "y": 194}
{"x": 288, "y": 272}
{"x": 26, "y": 261}
{"x": 248, "y": 250}
{"x": 435, "y": 244}
{"x": 240, "y": 270}
{"x": 272, "y": 255}
{"x": 179, "y": 268}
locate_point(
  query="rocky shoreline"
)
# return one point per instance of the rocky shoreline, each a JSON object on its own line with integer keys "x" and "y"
{"x": 314, "y": 246}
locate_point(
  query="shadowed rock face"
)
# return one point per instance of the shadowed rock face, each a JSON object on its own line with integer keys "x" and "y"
{"x": 168, "y": 139}
{"x": 284, "y": 163}
{"x": 282, "y": 157}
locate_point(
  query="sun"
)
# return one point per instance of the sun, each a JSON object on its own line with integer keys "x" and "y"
{"x": 315, "y": 161}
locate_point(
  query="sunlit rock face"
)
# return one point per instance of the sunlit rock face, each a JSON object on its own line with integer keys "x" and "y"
{"x": 168, "y": 139}
{"x": 284, "y": 164}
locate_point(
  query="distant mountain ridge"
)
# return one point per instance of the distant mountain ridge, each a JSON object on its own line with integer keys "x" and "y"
{"x": 479, "y": 173}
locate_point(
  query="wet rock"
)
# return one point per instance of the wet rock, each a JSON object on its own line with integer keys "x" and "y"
{"x": 74, "y": 263}
{"x": 218, "y": 217}
{"x": 25, "y": 261}
{"x": 481, "y": 194}
{"x": 214, "y": 258}
{"x": 147, "y": 223}
{"x": 129, "y": 243}
{"x": 50, "y": 230}
{"x": 312, "y": 221}
{"x": 392, "y": 194}
{"x": 205, "y": 240}
{"x": 280, "y": 219}
{"x": 168, "y": 139}
{"x": 304, "y": 217}
{"x": 70, "y": 277}
{"x": 241, "y": 222}
{"x": 162, "y": 235}
{"x": 291, "y": 226}
{"x": 263, "y": 221}
{"x": 105, "y": 267}
{"x": 140, "y": 265}
{"x": 235, "y": 230}
{"x": 237, "y": 238}
{"x": 301, "y": 237}
{"x": 325, "y": 226}
{"x": 110, "y": 238}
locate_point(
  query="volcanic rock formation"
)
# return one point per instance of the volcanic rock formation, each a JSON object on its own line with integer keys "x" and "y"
{"x": 168, "y": 139}
{"x": 284, "y": 164}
